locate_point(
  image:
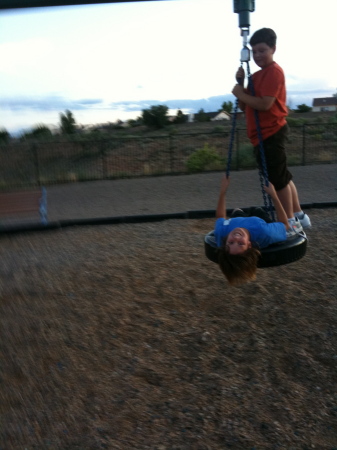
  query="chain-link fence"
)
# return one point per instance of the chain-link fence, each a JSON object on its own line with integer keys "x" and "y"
{"x": 43, "y": 163}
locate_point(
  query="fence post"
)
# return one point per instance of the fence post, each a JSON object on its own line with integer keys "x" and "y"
{"x": 303, "y": 144}
{"x": 36, "y": 163}
{"x": 171, "y": 151}
{"x": 237, "y": 149}
{"x": 104, "y": 164}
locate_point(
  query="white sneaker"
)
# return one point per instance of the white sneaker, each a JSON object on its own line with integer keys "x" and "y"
{"x": 290, "y": 233}
{"x": 305, "y": 221}
{"x": 296, "y": 225}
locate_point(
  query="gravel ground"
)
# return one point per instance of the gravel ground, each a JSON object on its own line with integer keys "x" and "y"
{"x": 127, "y": 337}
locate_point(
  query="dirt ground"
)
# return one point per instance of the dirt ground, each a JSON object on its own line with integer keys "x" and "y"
{"x": 128, "y": 337}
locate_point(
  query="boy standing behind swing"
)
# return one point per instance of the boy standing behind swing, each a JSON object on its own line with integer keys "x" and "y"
{"x": 270, "y": 102}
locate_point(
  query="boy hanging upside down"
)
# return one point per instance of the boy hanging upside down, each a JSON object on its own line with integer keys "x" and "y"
{"x": 239, "y": 238}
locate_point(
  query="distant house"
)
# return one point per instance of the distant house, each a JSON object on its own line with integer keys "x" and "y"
{"x": 324, "y": 104}
{"x": 223, "y": 115}
{"x": 212, "y": 116}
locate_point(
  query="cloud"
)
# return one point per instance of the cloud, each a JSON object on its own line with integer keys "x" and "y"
{"x": 313, "y": 92}
{"x": 48, "y": 103}
{"x": 189, "y": 105}
{"x": 55, "y": 103}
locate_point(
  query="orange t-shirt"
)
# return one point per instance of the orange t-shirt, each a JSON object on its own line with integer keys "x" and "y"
{"x": 268, "y": 82}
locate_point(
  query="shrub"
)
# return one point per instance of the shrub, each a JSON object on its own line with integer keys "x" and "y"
{"x": 303, "y": 108}
{"x": 4, "y": 136}
{"x": 328, "y": 136}
{"x": 295, "y": 122}
{"x": 41, "y": 132}
{"x": 67, "y": 123}
{"x": 201, "y": 116}
{"x": 180, "y": 117}
{"x": 205, "y": 158}
{"x": 155, "y": 117}
{"x": 294, "y": 159}
{"x": 171, "y": 129}
{"x": 246, "y": 158}
{"x": 227, "y": 106}
{"x": 314, "y": 130}
{"x": 220, "y": 129}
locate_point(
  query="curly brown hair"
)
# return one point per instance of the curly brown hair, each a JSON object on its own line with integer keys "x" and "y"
{"x": 238, "y": 269}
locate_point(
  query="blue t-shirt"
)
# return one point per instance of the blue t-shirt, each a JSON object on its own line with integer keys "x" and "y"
{"x": 261, "y": 232}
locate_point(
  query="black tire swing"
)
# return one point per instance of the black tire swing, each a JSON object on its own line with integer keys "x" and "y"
{"x": 286, "y": 252}
{"x": 291, "y": 250}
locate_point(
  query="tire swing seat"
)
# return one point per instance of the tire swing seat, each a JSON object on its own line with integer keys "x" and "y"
{"x": 291, "y": 250}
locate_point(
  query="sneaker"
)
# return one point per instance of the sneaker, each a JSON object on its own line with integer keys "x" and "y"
{"x": 305, "y": 221}
{"x": 291, "y": 233}
{"x": 237, "y": 212}
{"x": 296, "y": 225}
{"x": 257, "y": 211}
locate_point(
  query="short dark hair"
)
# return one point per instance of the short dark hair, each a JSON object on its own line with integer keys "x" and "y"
{"x": 264, "y": 35}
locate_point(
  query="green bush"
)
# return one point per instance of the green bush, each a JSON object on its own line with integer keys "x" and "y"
{"x": 295, "y": 122}
{"x": 171, "y": 129}
{"x": 67, "y": 123}
{"x": 4, "y": 136}
{"x": 201, "y": 116}
{"x": 328, "y": 136}
{"x": 303, "y": 108}
{"x": 180, "y": 117}
{"x": 205, "y": 158}
{"x": 314, "y": 130}
{"x": 294, "y": 159}
{"x": 221, "y": 129}
{"x": 155, "y": 117}
{"x": 41, "y": 132}
{"x": 245, "y": 157}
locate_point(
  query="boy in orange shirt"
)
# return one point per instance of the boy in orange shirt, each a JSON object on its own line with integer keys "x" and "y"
{"x": 269, "y": 100}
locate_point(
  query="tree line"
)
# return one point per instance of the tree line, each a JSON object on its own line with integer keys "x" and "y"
{"x": 67, "y": 127}
{"x": 155, "y": 117}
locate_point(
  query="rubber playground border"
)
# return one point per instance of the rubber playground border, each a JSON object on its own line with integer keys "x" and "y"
{"x": 196, "y": 214}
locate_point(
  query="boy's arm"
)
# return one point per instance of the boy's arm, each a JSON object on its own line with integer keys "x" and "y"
{"x": 280, "y": 212}
{"x": 242, "y": 106}
{"x": 258, "y": 103}
{"x": 221, "y": 206}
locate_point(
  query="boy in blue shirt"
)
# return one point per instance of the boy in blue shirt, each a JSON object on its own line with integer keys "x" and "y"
{"x": 239, "y": 238}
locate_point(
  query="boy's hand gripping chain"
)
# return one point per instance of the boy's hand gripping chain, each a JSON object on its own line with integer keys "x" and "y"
{"x": 243, "y": 8}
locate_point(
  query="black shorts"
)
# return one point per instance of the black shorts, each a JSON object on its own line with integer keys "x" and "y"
{"x": 254, "y": 211}
{"x": 276, "y": 158}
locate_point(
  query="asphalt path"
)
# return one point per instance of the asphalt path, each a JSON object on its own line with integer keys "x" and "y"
{"x": 176, "y": 194}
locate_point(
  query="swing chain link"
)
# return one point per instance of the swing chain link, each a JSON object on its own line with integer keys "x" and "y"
{"x": 263, "y": 171}
{"x": 232, "y": 136}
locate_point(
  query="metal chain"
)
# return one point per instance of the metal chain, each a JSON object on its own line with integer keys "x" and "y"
{"x": 263, "y": 171}
{"x": 231, "y": 142}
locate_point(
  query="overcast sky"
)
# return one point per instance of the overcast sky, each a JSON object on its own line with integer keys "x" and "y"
{"x": 108, "y": 62}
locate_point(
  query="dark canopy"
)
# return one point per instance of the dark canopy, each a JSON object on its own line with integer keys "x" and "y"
{"x": 13, "y": 4}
